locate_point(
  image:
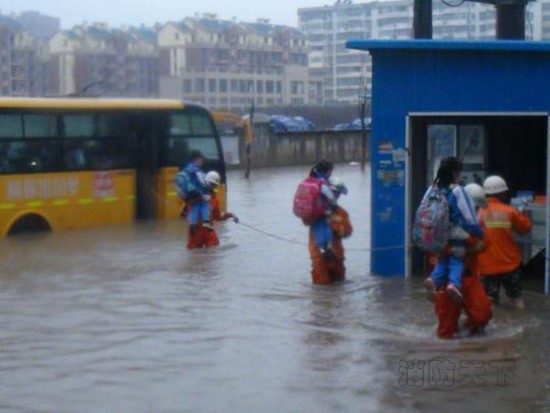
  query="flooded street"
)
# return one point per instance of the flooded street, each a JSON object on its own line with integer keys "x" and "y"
{"x": 124, "y": 319}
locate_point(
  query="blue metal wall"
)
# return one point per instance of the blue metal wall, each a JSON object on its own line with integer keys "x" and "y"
{"x": 437, "y": 76}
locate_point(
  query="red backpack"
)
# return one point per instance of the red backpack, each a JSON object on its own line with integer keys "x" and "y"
{"x": 308, "y": 203}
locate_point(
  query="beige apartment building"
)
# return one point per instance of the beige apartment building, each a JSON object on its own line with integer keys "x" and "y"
{"x": 23, "y": 68}
{"x": 232, "y": 65}
{"x": 105, "y": 62}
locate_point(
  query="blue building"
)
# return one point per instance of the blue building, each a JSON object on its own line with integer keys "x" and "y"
{"x": 486, "y": 102}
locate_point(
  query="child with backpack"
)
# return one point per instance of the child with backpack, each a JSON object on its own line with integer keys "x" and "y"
{"x": 444, "y": 220}
{"x": 193, "y": 188}
{"x": 314, "y": 202}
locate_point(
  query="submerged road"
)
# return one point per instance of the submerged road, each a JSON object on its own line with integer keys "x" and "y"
{"x": 124, "y": 319}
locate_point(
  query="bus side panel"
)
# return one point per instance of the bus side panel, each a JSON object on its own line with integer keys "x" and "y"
{"x": 169, "y": 205}
{"x": 69, "y": 200}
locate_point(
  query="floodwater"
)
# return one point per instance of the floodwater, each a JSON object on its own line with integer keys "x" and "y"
{"x": 124, "y": 319}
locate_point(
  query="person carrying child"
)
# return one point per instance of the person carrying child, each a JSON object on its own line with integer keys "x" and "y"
{"x": 202, "y": 236}
{"x": 444, "y": 221}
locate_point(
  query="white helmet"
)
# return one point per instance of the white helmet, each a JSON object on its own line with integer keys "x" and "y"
{"x": 338, "y": 183}
{"x": 477, "y": 194}
{"x": 494, "y": 185}
{"x": 213, "y": 178}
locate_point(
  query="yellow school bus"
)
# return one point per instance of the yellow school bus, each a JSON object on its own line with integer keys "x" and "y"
{"x": 68, "y": 163}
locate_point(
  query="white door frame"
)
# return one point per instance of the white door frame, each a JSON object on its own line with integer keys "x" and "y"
{"x": 408, "y": 192}
{"x": 547, "y": 262}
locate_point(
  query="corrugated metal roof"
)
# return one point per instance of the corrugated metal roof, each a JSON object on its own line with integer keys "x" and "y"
{"x": 445, "y": 45}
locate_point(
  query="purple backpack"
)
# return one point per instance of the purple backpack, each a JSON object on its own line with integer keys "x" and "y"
{"x": 431, "y": 222}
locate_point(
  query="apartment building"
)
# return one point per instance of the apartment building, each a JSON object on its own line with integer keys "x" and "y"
{"x": 22, "y": 61}
{"x": 104, "y": 61}
{"x": 39, "y": 25}
{"x": 232, "y": 65}
{"x": 347, "y": 73}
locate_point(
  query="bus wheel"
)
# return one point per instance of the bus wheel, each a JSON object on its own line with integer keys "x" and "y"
{"x": 30, "y": 223}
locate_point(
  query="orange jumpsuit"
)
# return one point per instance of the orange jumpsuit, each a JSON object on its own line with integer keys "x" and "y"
{"x": 327, "y": 272}
{"x": 475, "y": 304}
{"x": 201, "y": 237}
{"x": 501, "y": 221}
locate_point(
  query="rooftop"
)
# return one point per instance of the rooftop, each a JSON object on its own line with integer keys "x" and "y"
{"x": 516, "y": 46}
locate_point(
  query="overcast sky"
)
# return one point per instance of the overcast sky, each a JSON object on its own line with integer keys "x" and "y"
{"x": 135, "y": 12}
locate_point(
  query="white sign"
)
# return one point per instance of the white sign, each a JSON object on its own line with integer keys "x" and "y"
{"x": 41, "y": 188}
{"x": 230, "y": 146}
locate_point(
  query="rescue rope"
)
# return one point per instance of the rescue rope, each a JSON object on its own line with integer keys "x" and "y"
{"x": 275, "y": 236}
{"x": 291, "y": 241}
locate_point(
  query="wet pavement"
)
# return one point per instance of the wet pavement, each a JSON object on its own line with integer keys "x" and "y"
{"x": 124, "y": 319}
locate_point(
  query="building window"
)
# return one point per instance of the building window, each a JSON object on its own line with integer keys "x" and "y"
{"x": 270, "y": 86}
{"x": 279, "y": 87}
{"x": 259, "y": 86}
{"x": 297, "y": 88}
{"x": 223, "y": 85}
{"x": 212, "y": 86}
{"x": 234, "y": 85}
{"x": 187, "y": 86}
{"x": 242, "y": 86}
{"x": 177, "y": 36}
{"x": 200, "y": 86}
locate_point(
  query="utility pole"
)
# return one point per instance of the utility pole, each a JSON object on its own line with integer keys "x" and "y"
{"x": 249, "y": 136}
{"x": 422, "y": 20}
{"x": 510, "y": 20}
{"x": 363, "y": 132}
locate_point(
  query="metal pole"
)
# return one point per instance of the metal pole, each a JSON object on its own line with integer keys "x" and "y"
{"x": 422, "y": 19}
{"x": 511, "y": 20}
{"x": 363, "y": 134}
{"x": 249, "y": 139}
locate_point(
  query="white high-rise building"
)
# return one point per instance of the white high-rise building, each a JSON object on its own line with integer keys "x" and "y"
{"x": 347, "y": 73}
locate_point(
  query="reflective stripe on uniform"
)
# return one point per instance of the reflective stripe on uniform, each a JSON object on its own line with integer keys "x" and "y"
{"x": 498, "y": 224}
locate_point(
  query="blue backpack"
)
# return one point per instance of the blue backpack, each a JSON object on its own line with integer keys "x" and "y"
{"x": 431, "y": 222}
{"x": 184, "y": 185}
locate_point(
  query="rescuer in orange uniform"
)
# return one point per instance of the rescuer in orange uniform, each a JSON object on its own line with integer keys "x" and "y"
{"x": 500, "y": 263}
{"x": 475, "y": 302}
{"x": 329, "y": 270}
{"x": 204, "y": 236}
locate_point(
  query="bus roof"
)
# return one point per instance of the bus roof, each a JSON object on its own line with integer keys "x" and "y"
{"x": 90, "y": 103}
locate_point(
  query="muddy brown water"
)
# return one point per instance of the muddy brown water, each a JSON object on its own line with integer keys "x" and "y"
{"x": 124, "y": 319}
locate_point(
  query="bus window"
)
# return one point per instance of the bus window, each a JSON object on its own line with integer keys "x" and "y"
{"x": 190, "y": 131}
{"x": 79, "y": 126}
{"x": 207, "y": 146}
{"x": 40, "y": 126}
{"x": 201, "y": 125}
{"x": 11, "y": 126}
{"x": 180, "y": 124}
{"x": 40, "y": 153}
{"x": 100, "y": 141}
{"x": 116, "y": 125}
{"x": 31, "y": 156}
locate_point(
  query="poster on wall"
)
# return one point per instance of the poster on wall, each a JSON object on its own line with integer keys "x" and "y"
{"x": 441, "y": 144}
{"x": 471, "y": 145}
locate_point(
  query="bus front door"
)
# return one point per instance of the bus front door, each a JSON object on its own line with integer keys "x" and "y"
{"x": 147, "y": 166}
